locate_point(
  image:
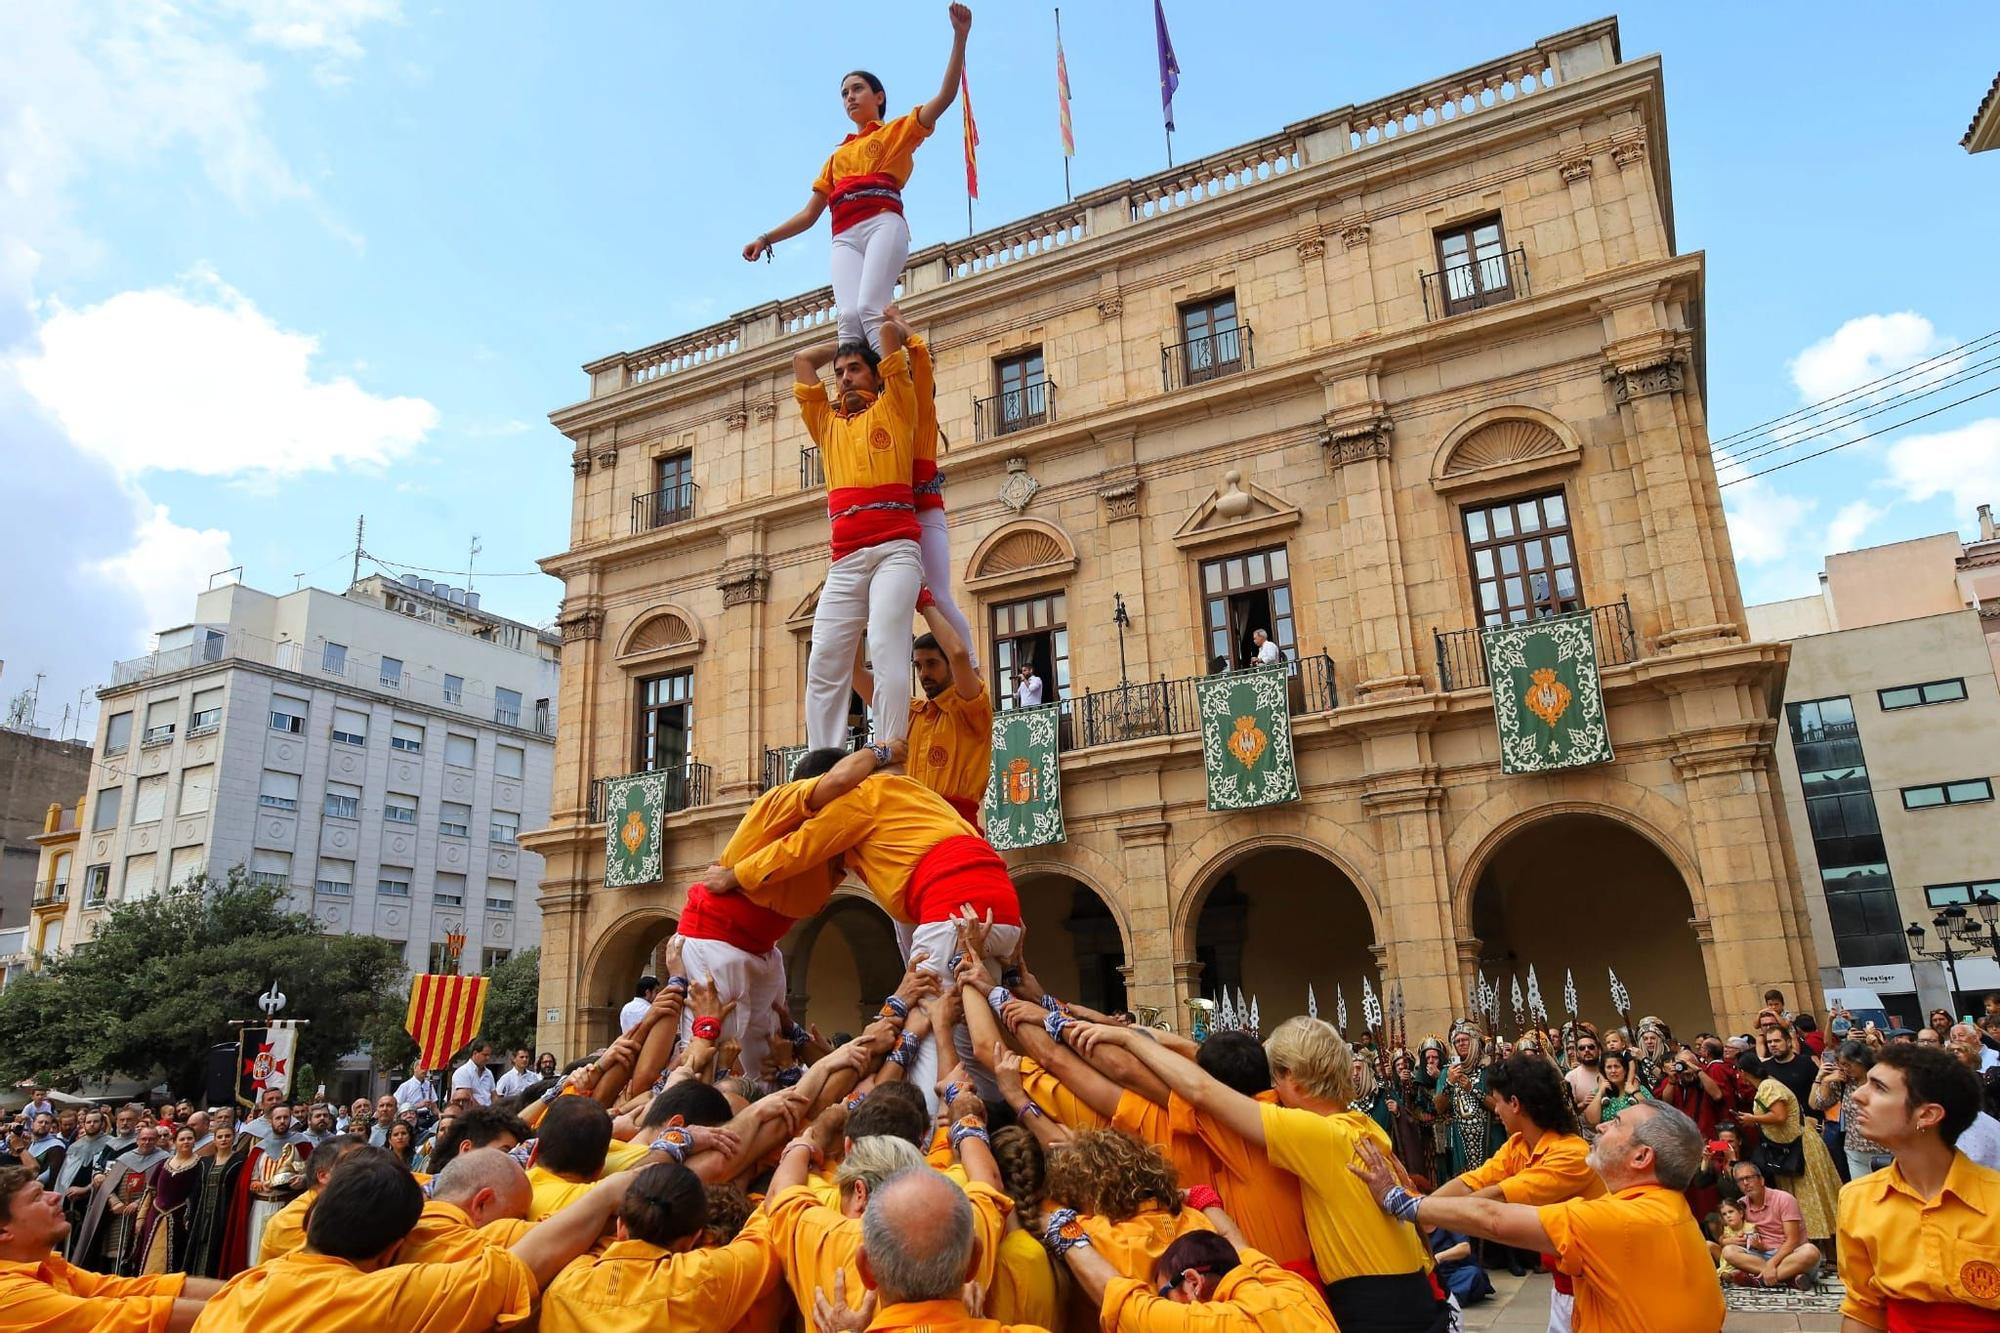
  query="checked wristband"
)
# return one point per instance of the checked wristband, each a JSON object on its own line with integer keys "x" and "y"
{"x": 797, "y": 1035}
{"x": 675, "y": 1141}
{"x": 1055, "y": 1023}
{"x": 706, "y": 1028}
{"x": 904, "y": 1050}
{"x": 678, "y": 983}
{"x": 1051, "y": 1003}
{"x": 1400, "y": 1203}
{"x": 997, "y": 998}
{"x": 969, "y": 1128}
{"x": 894, "y": 1007}
{"x": 789, "y": 1078}
{"x": 1063, "y": 1232}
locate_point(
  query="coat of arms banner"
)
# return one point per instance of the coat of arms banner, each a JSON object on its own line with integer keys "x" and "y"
{"x": 633, "y": 808}
{"x": 1246, "y": 738}
{"x": 1024, "y": 795}
{"x": 1547, "y": 703}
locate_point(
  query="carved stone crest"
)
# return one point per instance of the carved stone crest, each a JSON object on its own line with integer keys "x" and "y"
{"x": 744, "y": 584}
{"x": 1664, "y": 375}
{"x": 1575, "y": 169}
{"x": 1353, "y": 441}
{"x": 1111, "y": 307}
{"x": 1019, "y": 488}
{"x": 1353, "y": 234}
{"x": 735, "y": 418}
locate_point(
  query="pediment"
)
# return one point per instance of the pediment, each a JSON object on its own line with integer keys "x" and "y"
{"x": 1021, "y": 552}
{"x": 800, "y": 621}
{"x": 1234, "y": 510}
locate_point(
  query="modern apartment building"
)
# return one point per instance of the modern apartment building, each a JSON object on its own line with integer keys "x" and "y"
{"x": 1891, "y": 753}
{"x": 376, "y": 753}
{"x": 1381, "y": 379}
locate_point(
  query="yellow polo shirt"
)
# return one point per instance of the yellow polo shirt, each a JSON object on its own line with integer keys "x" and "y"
{"x": 1256, "y": 1296}
{"x": 1058, "y": 1103}
{"x": 1895, "y": 1245}
{"x": 1024, "y": 1284}
{"x": 951, "y": 744}
{"x": 444, "y": 1234}
{"x": 1351, "y": 1237}
{"x": 814, "y": 1241}
{"x": 1556, "y": 1167}
{"x": 770, "y": 817}
{"x": 887, "y": 149}
{"x": 316, "y": 1293}
{"x": 884, "y": 827}
{"x": 636, "y": 1287}
{"x": 286, "y": 1231}
{"x": 54, "y": 1296}
{"x": 876, "y": 447}
{"x": 1624, "y": 1250}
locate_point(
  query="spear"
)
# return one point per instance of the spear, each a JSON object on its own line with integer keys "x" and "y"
{"x": 1340, "y": 1008}
{"x": 1242, "y": 1010}
{"x": 1536, "y": 1008}
{"x": 1520, "y": 1020}
{"x": 1227, "y": 1022}
{"x": 1483, "y": 1003}
{"x": 1569, "y": 994}
{"x": 1397, "y": 1016}
{"x": 1371, "y": 1015}
{"x": 1621, "y": 1000}
{"x": 1256, "y": 1023}
{"x": 1312, "y": 1002}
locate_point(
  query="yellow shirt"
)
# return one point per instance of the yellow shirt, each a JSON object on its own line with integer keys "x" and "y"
{"x": 1256, "y": 1295}
{"x": 444, "y": 1234}
{"x": 55, "y": 1297}
{"x": 551, "y": 1193}
{"x": 951, "y": 743}
{"x": 939, "y": 1317}
{"x": 1556, "y": 1168}
{"x": 1263, "y": 1199}
{"x": 1134, "y": 1246}
{"x": 286, "y": 1231}
{"x": 769, "y": 818}
{"x": 884, "y": 826}
{"x": 923, "y": 381}
{"x": 1024, "y": 1286}
{"x": 814, "y": 1242}
{"x": 875, "y": 446}
{"x": 1056, "y": 1100}
{"x": 1351, "y": 1237}
{"x": 634, "y": 1287}
{"x": 879, "y": 149}
{"x": 1645, "y": 1230}
{"x": 1897, "y": 1246}
{"x": 316, "y": 1293}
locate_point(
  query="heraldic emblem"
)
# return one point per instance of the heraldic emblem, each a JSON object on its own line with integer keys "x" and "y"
{"x": 1248, "y": 742}
{"x": 1548, "y": 697}
{"x": 633, "y": 835}
{"x": 1020, "y": 782}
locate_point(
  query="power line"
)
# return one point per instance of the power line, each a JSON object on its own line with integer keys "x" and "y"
{"x": 1883, "y": 430}
{"x": 394, "y": 566}
{"x": 1956, "y": 379}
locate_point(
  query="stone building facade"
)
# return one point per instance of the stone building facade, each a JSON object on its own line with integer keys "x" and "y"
{"x": 1320, "y": 384}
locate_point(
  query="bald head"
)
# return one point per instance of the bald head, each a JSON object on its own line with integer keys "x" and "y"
{"x": 486, "y": 1183}
{"x": 327, "y": 1156}
{"x": 916, "y": 1238}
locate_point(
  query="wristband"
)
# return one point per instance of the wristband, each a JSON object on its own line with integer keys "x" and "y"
{"x": 548, "y": 1098}
{"x": 706, "y": 1028}
{"x": 951, "y": 1091}
{"x": 1024, "y": 1111}
{"x": 1055, "y": 1023}
{"x": 1051, "y": 1003}
{"x": 997, "y": 999}
{"x": 675, "y": 1140}
{"x": 904, "y": 1050}
{"x": 1063, "y": 1232}
{"x": 1400, "y": 1203}
{"x": 524, "y": 1153}
{"x": 881, "y": 753}
{"x": 678, "y": 983}
{"x": 895, "y": 1007}
{"x": 1203, "y": 1197}
{"x": 853, "y": 1102}
{"x": 969, "y": 1128}
{"x": 797, "y": 1035}
{"x": 788, "y": 1078}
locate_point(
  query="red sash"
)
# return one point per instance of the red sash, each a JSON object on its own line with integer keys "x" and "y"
{"x": 1940, "y": 1317}
{"x": 964, "y": 869}
{"x": 730, "y": 918}
{"x": 858, "y": 198}
{"x": 870, "y": 515}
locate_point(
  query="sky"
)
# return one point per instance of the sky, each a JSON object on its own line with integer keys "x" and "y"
{"x": 267, "y": 265}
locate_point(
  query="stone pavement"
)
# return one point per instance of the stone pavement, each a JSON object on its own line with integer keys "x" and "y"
{"x": 1520, "y": 1304}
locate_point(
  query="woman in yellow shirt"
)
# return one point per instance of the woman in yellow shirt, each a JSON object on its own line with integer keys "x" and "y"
{"x": 863, "y": 182}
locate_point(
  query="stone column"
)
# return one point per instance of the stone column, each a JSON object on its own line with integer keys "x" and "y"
{"x": 737, "y": 739}
{"x": 1355, "y": 435}
{"x": 1144, "y": 855}
{"x": 1405, "y": 807}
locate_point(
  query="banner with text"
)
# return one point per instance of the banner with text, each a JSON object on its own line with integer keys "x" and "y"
{"x": 1547, "y": 704}
{"x": 633, "y": 808}
{"x": 1246, "y": 738}
{"x": 1024, "y": 794}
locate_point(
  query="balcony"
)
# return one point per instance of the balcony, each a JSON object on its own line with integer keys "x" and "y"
{"x": 52, "y": 894}
{"x": 1208, "y": 357}
{"x": 778, "y": 760}
{"x": 686, "y": 788}
{"x": 662, "y": 508}
{"x": 1017, "y": 409}
{"x": 1167, "y": 707}
{"x": 812, "y": 469}
{"x": 1463, "y": 288}
{"x": 1461, "y": 654}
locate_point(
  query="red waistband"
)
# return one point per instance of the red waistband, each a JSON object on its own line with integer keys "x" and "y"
{"x": 856, "y": 524}
{"x": 730, "y": 918}
{"x": 879, "y": 193}
{"x": 924, "y": 473}
{"x": 1940, "y": 1317}
{"x": 960, "y": 870}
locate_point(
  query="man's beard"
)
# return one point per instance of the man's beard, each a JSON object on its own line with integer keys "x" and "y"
{"x": 932, "y": 691}
{"x": 1589, "y": 1061}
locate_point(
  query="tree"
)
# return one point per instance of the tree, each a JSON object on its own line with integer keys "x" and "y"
{"x": 512, "y": 998}
{"x": 158, "y": 984}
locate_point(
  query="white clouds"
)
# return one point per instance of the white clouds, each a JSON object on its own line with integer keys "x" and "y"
{"x": 1862, "y": 350}
{"x": 1764, "y": 523}
{"x": 166, "y": 566}
{"x": 196, "y": 379}
{"x": 1854, "y": 518}
{"x": 1963, "y": 463}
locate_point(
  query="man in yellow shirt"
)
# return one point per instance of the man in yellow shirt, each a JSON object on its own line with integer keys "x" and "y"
{"x": 480, "y": 1200}
{"x": 1919, "y": 1240}
{"x": 654, "y": 1276}
{"x": 40, "y": 1290}
{"x": 286, "y": 1230}
{"x": 346, "y": 1279}
{"x": 951, "y": 727}
{"x": 1202, "y": 1283}
{"x": 1544, "y": 1160}
{"x": 1639, "y": 1260}
{"x": 868, "y": 449}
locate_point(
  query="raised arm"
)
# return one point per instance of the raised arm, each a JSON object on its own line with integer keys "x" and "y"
{"x": 1515, "y": 1224}
{"x": 549, "y": 1245}
{"x": 1183, "y": 1078}
{"x": 954, "y": 68}
{"x": 791, "y": 226}
{"x": 851, "y": 772}
{"x": 964, "y": 676}
{"x": 806, "y": 363}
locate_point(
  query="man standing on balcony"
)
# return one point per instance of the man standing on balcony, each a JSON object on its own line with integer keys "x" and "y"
{"x": 1028, "y": 687}
{"x": 1266, "y": 653}
{"x": 868, "y": 447}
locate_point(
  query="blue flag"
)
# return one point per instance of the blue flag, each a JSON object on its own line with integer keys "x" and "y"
{"x": 1170, "y": 69}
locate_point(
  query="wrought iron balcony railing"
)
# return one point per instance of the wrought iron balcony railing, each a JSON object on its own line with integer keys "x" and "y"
{"x": 658, "y": 509}
{"x": 1461, "y": 654}
{"x": 1465, "y": 287}
{"x": 1017, "y": 409}
{"x": 686, "y": 788}
{"x": 1208, "y": 357}
{"x": 812, "y": 469}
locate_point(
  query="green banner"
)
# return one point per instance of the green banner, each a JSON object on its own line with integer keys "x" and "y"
{"x": 1246, "y": 738}
{"x": 633, "y": 808}
{"x": 787, "y": 756}
{"x": 1024, "y": 795}
{"x": 1547, "y": 703}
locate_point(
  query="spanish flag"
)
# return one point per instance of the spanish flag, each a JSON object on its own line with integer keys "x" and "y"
{"x": 445, "y": 1012}
{"x": 971, "y": 135}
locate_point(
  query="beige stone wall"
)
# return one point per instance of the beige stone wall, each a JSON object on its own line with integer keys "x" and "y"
{"x": 1358, "y": 435}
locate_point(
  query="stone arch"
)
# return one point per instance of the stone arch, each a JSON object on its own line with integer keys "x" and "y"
{"x": 1082, "y": 864}
{"x": 1197, "y": 869}
{"x": 1019, "y": 552}
{"x": 867, "y": 939}
{"x": 1501, "y": 443}
{"x": 1081, "y": 937}
{"x": 661, "y": 631}
{"x": 618, "y": 957}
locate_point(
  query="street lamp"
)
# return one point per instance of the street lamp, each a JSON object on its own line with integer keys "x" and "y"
{"x": 1989, "y": 913}
{"x": 1123, "y": 621}
{"x": 1951, "y": 924}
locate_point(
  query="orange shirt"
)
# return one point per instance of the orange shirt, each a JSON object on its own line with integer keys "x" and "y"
{"x": 878, "y": 150}
{"x": 1645, "y": 1230}
{"x": 770, "y": 817}
{"x": 1134, "y": 1246}
{"x": 54, "y": 1296}
{"x": 870, "y": 458}
{"x": 939, "y": 1317}
{"x": 814, "y": 1242}
{"x": 884, "y": 826}
{"x": 1896, "y": 1245}
{"x": 1056, "y": 1100}
{"x": 317, "y": 1293}
{"x": 1556, "y": 1168}
{"x": 286, "y": 1231}
{"x": 951, "y": 743}
{"x": 1256, "y": 1296}
{"x": 1024, "y": 1286}
{"x": 444, "y": 1234}
{"x": 1262, "y": 1198}
{"x": 634, "y": 1286}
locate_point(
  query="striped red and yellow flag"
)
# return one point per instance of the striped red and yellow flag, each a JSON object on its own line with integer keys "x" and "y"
{"x": 445, "y": 1012}
{"x": 1062, "y": 93}
{"x": 971, "y": 134}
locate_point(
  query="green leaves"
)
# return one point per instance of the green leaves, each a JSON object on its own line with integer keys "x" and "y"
{"x": 512, "y": 1002}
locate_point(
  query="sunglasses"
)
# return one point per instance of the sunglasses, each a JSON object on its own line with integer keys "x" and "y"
{"x": 1167, "y": 1288}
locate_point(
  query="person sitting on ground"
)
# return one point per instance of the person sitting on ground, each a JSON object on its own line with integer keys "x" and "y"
{"x": 1236, "y": 1289}
{"x": 1778, "y": 1252}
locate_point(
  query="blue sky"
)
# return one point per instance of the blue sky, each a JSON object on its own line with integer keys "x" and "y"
{"x": 267, "y": 264}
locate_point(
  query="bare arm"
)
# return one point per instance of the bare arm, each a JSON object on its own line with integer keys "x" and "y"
{"x": 1092, "y": 1271}
{"x": 806, "y": 362}
{"x": 790, "y": 227}
{"x": 1094, "y": 1090}
{"x": 964, "y": 676}
{"x": 549, "y": 1245}
{"x": 850, "y": 773}
{"x": 961, "y": 24}
{"x": 1186, "y": 1080}
{"x": 1795, "y": 1236}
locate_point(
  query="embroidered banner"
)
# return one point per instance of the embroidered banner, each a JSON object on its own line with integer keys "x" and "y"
{"x": 444, "y": 1014}
{"x": 1024, "y": 795}
{"x": 1246, "y": 738}
{"x": 1547, "y": 703}
{"x": 633, "y": 808}
{"x": 265, "y": 1056}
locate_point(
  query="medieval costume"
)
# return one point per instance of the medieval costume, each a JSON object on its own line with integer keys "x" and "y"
{"x": 274, "y": 1175}
{"x": 1412, "y": 1114}
{"x": 1655, "y": 1052}
{"x": 208, "y": 1212}
{"x": 163, "y": 1230}
{"x": 1432, "y": 1058}
{"x": 1462, "y": 1101}
{"x": 111, "y": 1221}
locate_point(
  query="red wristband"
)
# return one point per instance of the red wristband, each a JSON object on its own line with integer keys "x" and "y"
{"x": 707, "y": 1027}
{"x": 1200, "y": 1197}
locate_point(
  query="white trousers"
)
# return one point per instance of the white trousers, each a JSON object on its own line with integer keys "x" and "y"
{"x": 935, "y": 544}
{"x": 1561, "y": 1306}
{"x": 868, "y": 259}
{"x": 872, "y": 591}
{"x": 756, "y": 981}
{"x": 940, "y": 940}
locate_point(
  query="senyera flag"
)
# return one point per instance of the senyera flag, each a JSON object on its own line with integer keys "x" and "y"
{"x": 1062, "y": 93}
{"x": 971, "y": 135}
{"x": 445, "y": 1012}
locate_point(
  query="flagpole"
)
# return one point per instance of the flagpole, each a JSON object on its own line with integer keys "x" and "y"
{"x": 1170, "y": 150}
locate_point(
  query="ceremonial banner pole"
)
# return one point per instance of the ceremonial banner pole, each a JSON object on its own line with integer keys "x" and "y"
{"x": 1170, "y": 73}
